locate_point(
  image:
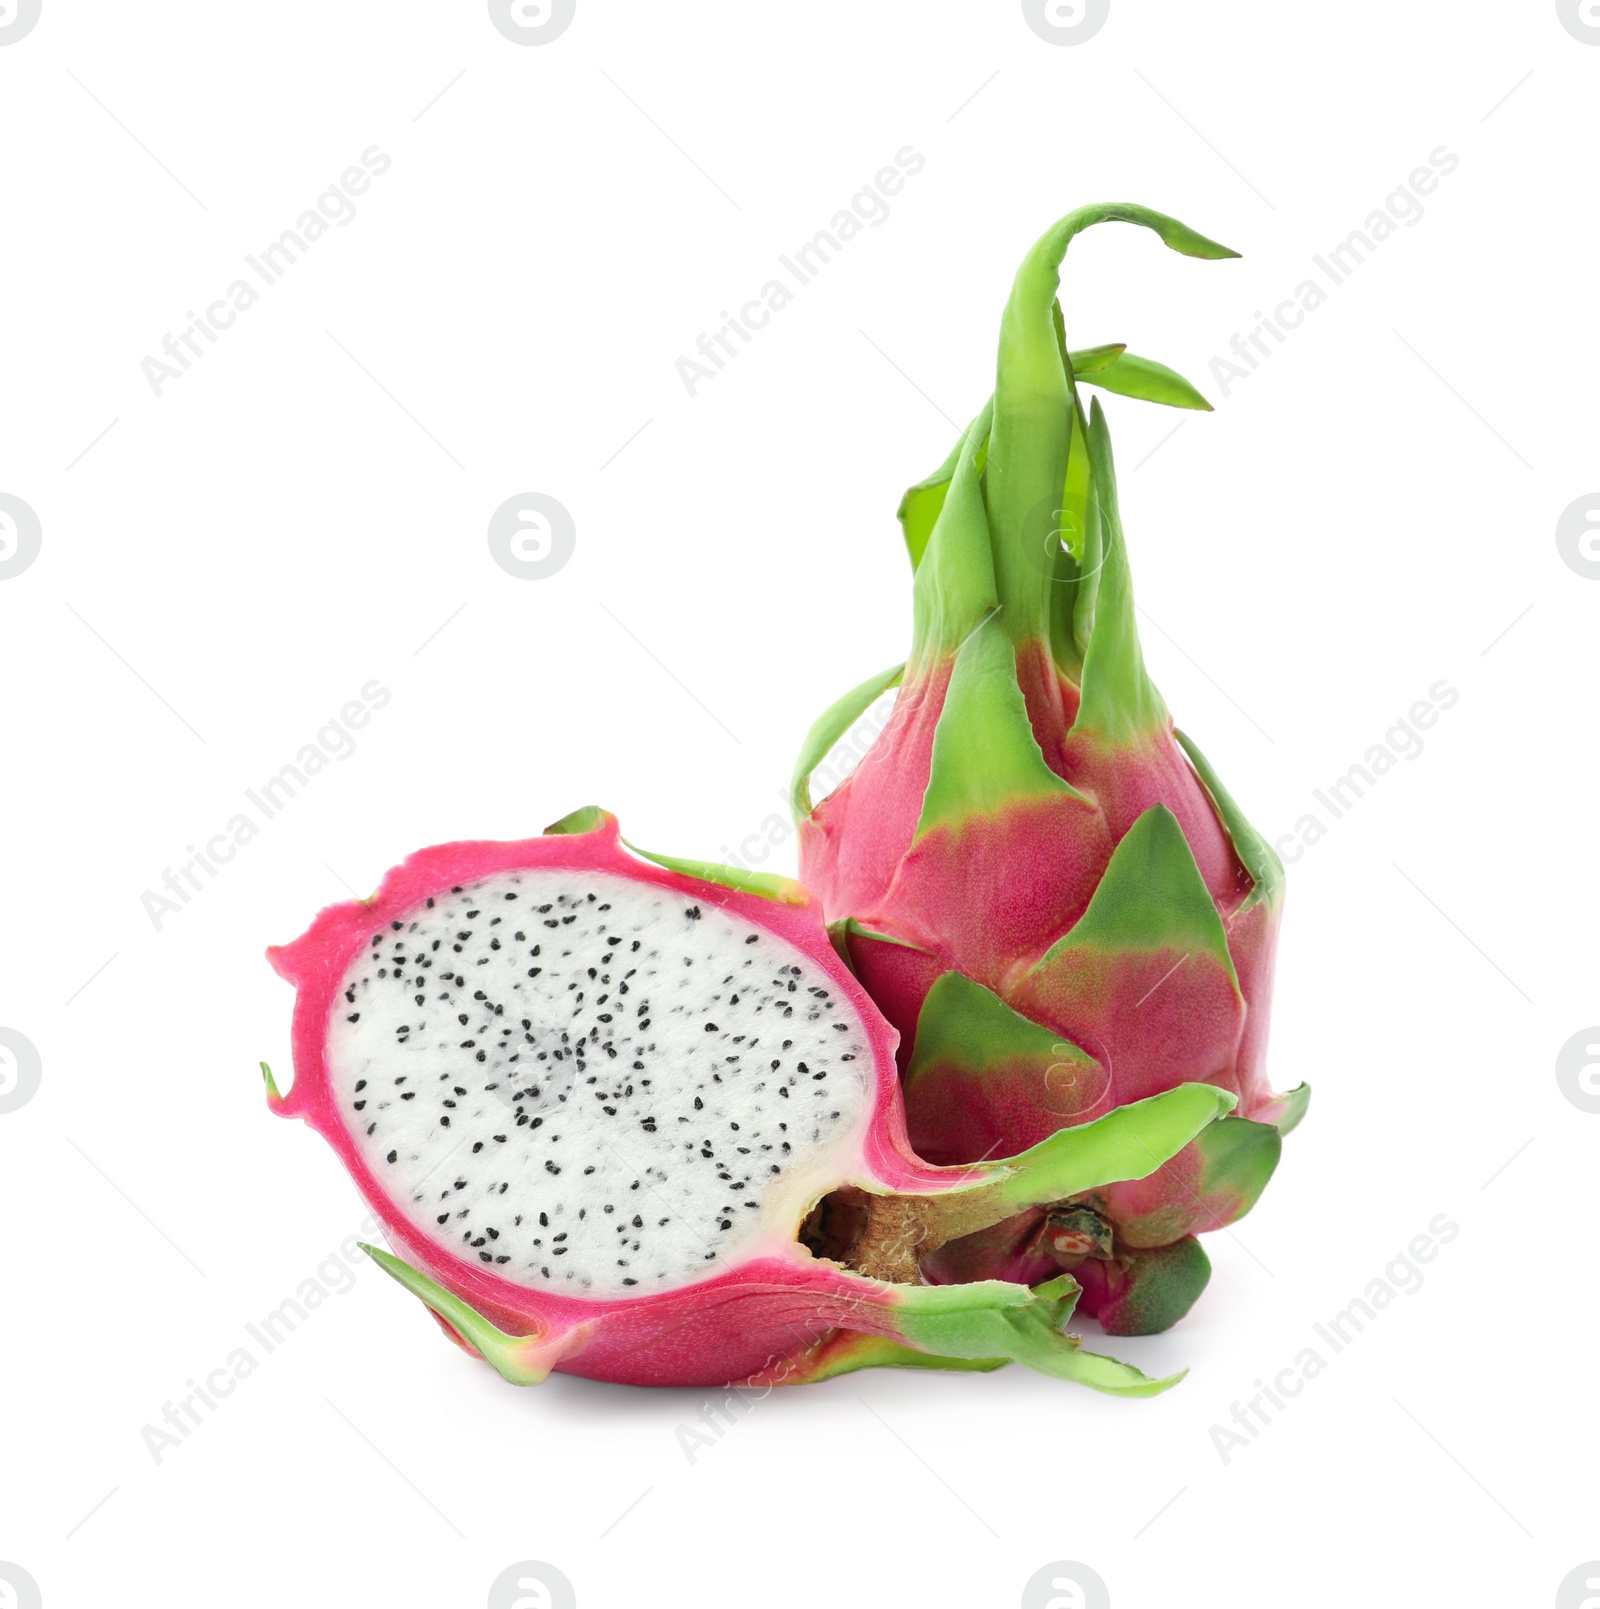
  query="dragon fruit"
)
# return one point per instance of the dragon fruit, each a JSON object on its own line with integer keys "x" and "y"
{"x": 632, "y": 1118}
{"x": 1042, "y": 883}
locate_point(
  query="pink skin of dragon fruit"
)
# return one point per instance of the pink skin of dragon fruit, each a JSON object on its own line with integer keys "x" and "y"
{"x": 731, "y": 1196}
{"x": 1042, "y": 883}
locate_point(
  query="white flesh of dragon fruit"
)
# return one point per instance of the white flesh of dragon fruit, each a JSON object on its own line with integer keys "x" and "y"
{"x": 596, "y": 1086}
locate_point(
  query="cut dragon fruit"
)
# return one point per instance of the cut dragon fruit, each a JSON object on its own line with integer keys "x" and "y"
{"x": 633, "y": 1118}
{"x": 1041, "y": 883}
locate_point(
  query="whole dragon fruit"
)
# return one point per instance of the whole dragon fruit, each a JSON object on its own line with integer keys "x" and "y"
{"x": 632, "y": 1118}
{"x": 1040, "y": 882}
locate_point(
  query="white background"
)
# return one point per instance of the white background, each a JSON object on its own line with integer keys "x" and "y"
{"x": 226, "y": 565}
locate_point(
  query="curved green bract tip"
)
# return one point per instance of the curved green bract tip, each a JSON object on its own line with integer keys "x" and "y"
{"x": 1051, "y": 246}
{"x": 587, "y": 818}
{"x": 955, "y": 586}
{"x": 1129, "y": 1142}
{"x": 997, "y": 1321}
{"x": 1256, "y": 855}
{"x": 524, "y": 1360}
{"x": 851, "y": 926}
{"x": 272, "y": 1089}
{"x": 1291, "y": 1108}
{"x": 1092, "y": 358}
{"x": 919, "y": 507}
{"x": 832, "y": 725}
{"x": 591, "y": 818}
{"x": 765, "y": 885}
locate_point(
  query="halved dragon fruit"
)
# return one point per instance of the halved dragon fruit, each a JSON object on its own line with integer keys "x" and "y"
{"x": 1042, "y": 884}
{"x": 632, "y": 1118}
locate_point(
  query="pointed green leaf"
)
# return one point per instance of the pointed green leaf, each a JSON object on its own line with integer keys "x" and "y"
{"x": 1256, "y": 855}
{"x": 829, "y": 727}
{"x": 1148, "y": 381}
{"x": 1119, "y": 701}
{"x": 272, "y": 1088}
{"x": 985, "y": 755}
{"x": 1152, "y": 897}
